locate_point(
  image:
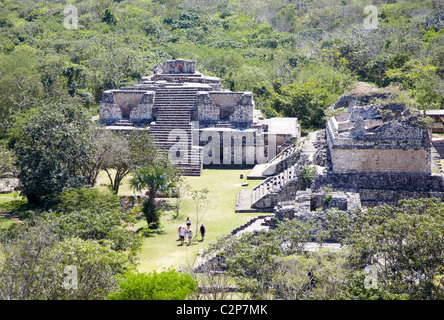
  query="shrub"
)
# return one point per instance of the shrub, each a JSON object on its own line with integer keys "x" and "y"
{"x": 166, "y": 285}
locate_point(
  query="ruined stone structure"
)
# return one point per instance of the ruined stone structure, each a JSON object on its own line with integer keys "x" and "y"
{"x": 312, "y": 205}
{"x": 194, "y": 119}
{"x": 382, "y": 152}
{"x": 379, "y": 139}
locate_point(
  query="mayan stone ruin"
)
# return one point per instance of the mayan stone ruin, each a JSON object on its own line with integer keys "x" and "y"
{"x": 371, "y": 153}
{"x": 195, "y": 119}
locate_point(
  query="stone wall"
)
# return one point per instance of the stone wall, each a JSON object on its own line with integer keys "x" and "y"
{"x": 144, "y": 109}
{"x": 244, "y": 109}
{"x": 381, "y": 181}
{"x": 234, "y": 107}
{"x": 108, "y": 109}
{"x": 226, "y": 147}
{"x": 377, "y": 160}
{"x": 206, "y": 109}
{"x": 126, "y": 104}
{"x": 401, "y": 145}
{"x": 127, "y": 100}
{"x": 307, "y": 203}
{"x": 437, "y": 123}
{"x": 179, "y": 66}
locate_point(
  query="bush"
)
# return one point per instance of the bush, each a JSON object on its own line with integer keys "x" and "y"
{"x": 166, "y": 285}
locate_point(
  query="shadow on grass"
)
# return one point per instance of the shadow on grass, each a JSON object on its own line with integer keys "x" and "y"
{"x": 20, "y": 209}
{"x": 148, "y": 233}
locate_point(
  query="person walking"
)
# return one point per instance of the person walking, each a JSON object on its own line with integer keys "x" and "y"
{"x": 190, "y": 235}
{"x": 182, "y": 235}
{"x": 202, "y": 232}
{"x": 188, "y": 223}
{"x": 178, "y": 232}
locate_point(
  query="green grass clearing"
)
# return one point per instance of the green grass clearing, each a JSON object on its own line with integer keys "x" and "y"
{"x": 162, "y": 250}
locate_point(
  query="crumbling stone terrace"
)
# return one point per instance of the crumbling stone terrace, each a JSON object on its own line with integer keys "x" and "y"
{"x": 384, "y": 138}
{"x": 383, "y": 151}
{"x": 195, "y": 119}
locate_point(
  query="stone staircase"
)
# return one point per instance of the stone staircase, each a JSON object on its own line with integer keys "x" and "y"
{"x": 287, "y": 180}
{"x": 123, "y": 123}
{"x": 286, "y": 158}
{"x": 173, "y": 105}
{"x": 281, "y": 187}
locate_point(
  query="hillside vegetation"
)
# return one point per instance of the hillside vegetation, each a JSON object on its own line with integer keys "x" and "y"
{"x": 297, "y": 57}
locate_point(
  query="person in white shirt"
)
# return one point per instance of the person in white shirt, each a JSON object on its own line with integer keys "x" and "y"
{"x": 182, "y": 235}
{"x": 190, "y": 235}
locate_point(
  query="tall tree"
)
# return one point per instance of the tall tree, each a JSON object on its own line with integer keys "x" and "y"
{"x": 201, "y": 205}
{"x": 155, "y": 180}
{"x": 52, "y": 149}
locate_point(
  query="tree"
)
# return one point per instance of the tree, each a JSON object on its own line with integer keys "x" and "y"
{"x": 125, "y": 153}
{"x": 201, "y": 205}
{"x": 87, "y": 199}
{"x": 20, "y": 87}
{"x": 308, "y": 174}
{"x": 155, "y": 180}
{"x": 404, "y": 242}
{"x": 53, "y": 150}
{"x": 6, "y": 159}
{"x": 180, "y": 191}
{"x": 166, "y": 285}
{"x": 89, "y": 214}
{"x": 39, "y": 261}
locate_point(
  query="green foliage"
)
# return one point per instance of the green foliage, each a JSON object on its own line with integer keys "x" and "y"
{"x": 166, "y": 285}
{"x": 308, "y": 174}
{"x": 87, "y": 199}
{"x": 407, "y": 240}
{"x": 36, "y": 254}
{"x": 355, "y": 290}
{"x": 121, "y": 154}
{"x": 276, "y": 266}
{"x": 89, "y": 214}
{"x": 53, "y": 150}
{"x": 152, "y": 214}
{"x": 307, "y": 97}
{"x": 249, "y": 44}
{"x": 403, "y": 243}
{"x": 6, "y": 159}
{"x": 156, "y": 180}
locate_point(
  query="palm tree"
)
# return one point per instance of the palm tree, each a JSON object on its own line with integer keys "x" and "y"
{"x": 155, "y": 180}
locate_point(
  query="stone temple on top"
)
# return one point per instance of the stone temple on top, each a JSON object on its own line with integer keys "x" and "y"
{"x": 196, "y": 120}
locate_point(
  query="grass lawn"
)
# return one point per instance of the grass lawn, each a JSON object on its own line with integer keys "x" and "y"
{"x": 162, "y": 250}
{"x": 8, "y": 202}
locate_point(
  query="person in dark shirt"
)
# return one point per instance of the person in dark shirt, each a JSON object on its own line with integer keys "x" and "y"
{"x": 202, "y": 231}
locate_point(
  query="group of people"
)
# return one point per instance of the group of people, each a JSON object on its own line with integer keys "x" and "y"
{"x": 189, "y": 233}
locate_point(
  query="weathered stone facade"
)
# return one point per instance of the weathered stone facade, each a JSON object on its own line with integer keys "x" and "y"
{"x": 134, "y": 105}
{"x": 360, "y": 141}
{"x": 307, "y": 203}
{"x": 178, "y": 100}
{"x": 382, "y": 152}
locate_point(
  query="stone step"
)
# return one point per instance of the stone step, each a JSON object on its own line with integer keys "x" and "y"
{"x": 166, "y": 129}
{"x": 273, "y": 184}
